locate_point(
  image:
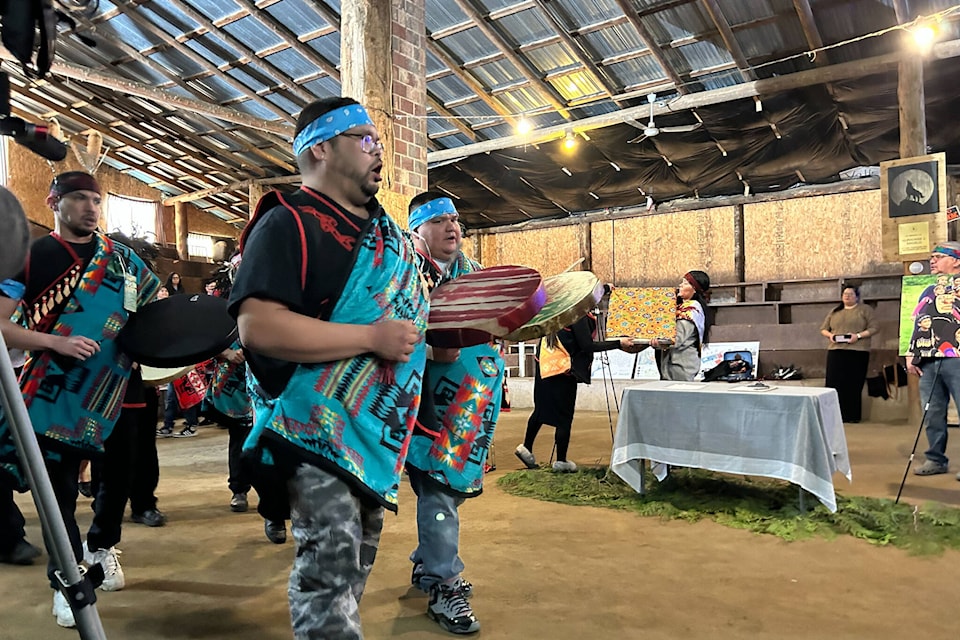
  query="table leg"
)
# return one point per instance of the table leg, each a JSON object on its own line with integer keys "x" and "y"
{"x": 803, "y": 507}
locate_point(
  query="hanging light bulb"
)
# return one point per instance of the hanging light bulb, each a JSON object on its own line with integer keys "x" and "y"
{"x": 569, "y": 141}
{"x": 524, "y": 127}
{"x": 924, "y": 35}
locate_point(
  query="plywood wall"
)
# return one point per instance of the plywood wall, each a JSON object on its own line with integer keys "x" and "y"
{"x": 815, "y": 237}
{"x": 549, "y": 251}
{"x": 657, "y": 249}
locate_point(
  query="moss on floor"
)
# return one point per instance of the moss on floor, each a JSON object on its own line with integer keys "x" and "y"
{"x": 756, "y": 504}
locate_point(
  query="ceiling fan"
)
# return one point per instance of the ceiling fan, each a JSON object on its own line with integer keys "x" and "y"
{"x": 650, "y": 129}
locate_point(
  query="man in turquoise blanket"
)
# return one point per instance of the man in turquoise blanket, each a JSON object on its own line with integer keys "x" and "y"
{"x": 332, "y": 315}
{"x": 460, "y": 405}
{"x": 78, "y": 289}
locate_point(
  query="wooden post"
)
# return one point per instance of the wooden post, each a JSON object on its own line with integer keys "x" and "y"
{"x": 383, "y": 66}
{"x": 180, "y": 219}
{"x": 586, "y": 248}
{"x": 739, "y": 254}
{"x": 254, "y": 194}
{"x": 913, "y": 142}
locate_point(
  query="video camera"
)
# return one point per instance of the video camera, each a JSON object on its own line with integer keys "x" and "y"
{"x": 29, "y": 27}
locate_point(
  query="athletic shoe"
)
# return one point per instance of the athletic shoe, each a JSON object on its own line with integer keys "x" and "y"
{"x": 187, "y": 432}
{"x": 465, "y": 587}
{"x": 449, "y": 608}
{"x": 22, "y": 553}
{"x": 165, "y": 432}
{"x": 564, "y": 466}
{"x": 113, "y": 579}
{"x": 150, "y": 517}
{"x": 526, "y": 456}
{"x": 61, "y": 609}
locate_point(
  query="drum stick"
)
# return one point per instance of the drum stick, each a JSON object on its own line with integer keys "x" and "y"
{"x": 570, "y": 268}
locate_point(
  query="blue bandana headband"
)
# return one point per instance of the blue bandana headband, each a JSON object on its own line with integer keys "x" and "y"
{"x": 430, "y": 210}
{"x": 330, "y": 125}
{"x": 947, "y": 251}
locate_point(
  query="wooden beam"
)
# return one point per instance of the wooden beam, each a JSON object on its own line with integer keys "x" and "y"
{"x": 481, "y": 91}
{"x": 809, "y": 25}
{"x": 233, "y": 186}
{"x": 286, "y": 81}
{"x": 162, "y": 97}
{"x": 578, "y": 50}
{"x": 765, "y": 86}
{"x": 545, "y": 91}
{"x": 176, "y": 79}
{"x": 689, "y": 204}
{"x": 729, "y": 39}
{"x": 653, "y": 47}
{"x": 180, "y": 223}
{"x": 137, "y": 18}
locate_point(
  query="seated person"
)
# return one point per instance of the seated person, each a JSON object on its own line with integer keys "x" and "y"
{"x": 738, "y": 365}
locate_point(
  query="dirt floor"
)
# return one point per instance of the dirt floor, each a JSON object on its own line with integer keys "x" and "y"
{"x": 539, "y": 570}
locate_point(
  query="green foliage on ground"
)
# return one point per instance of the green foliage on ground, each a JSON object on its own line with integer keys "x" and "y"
{"x": 756, "y": 504}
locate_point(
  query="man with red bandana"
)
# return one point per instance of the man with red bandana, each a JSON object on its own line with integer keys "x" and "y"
{"x": 74, "y": 295}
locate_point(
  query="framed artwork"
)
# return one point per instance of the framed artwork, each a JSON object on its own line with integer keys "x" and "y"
{"x": 913, "y": 189}
{"x": 913, "y": 200}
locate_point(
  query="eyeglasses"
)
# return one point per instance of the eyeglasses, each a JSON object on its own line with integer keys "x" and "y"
{"x": 367, "y": 143}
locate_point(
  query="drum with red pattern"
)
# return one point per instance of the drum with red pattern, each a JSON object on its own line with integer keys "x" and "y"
{"x": 483, "y": 305}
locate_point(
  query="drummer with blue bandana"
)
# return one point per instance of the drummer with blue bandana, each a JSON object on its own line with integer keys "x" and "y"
{"x": 459, "y": 408}
{"x": 332, "y": 314}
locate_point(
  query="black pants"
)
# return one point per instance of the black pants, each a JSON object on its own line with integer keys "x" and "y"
{"x": 146, "y": 472}
{"x": 846, "y": 372}
{"x": 11, "y": 521}
{"x": 64, "y": 476}
{"x": 237, "y": 481}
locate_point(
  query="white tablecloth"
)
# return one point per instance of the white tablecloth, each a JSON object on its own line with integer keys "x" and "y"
{"x": 791, "y": 433}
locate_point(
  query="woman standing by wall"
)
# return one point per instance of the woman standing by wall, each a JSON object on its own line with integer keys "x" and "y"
{"x": 681, "y": 360}
{"x": 849, "y": 327}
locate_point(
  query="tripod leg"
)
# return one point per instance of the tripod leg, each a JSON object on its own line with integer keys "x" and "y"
{"x": 75, "y": 587}
{"x": 923, "y": 419}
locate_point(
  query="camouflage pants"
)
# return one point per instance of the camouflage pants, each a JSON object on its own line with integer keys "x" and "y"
{"x": 336, "y": 538}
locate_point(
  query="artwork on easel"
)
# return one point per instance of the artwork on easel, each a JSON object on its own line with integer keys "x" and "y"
{"x": 930, "y": 316}
{"x": 642, "y": 313}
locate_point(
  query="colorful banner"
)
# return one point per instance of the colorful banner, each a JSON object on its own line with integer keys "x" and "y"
{"x": 642, "y": 313}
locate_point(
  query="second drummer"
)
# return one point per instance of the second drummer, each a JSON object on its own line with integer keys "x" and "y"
{"x": 459, "y": 408}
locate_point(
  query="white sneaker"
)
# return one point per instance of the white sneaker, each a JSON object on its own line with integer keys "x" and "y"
{"x": 61, "y": 609}
{"x": 565, "y": 466}
{"x": 526, "y": 456}
{"x": 113, "y": 579}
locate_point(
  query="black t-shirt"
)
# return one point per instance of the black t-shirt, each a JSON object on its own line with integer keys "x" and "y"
{"x": 306, "y": 273}
{"x": 49, "y": 263}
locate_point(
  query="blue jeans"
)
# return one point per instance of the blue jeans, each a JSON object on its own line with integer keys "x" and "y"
{"x": 940, "y": 381}
{"x": 438, "y": 532}
{"x": 170, "y": 408}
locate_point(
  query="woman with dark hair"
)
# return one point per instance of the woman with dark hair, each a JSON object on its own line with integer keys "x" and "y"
{"x": 848, "y": 327}
{"x": 555, "y": 397}
{"x": 173, "y": 284}
{"x": 680, "y": 360}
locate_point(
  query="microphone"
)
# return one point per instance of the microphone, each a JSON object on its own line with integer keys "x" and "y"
{"x": 35, "y": 138}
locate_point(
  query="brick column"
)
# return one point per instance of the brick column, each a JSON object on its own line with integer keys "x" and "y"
{"x": 383, "y": 65}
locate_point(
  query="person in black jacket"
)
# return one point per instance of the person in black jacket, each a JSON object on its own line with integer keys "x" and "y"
{"x": 555, "y": 398}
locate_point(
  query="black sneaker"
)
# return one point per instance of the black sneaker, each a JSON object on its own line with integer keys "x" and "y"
{"x": 23, "y": 553}
{"x": 450, "y": 609}
{"x": 238, "y": 503}
{"x": 151, "y": 518}
{"x": 275, "y": 530}
{"x": 187, "y": 432}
